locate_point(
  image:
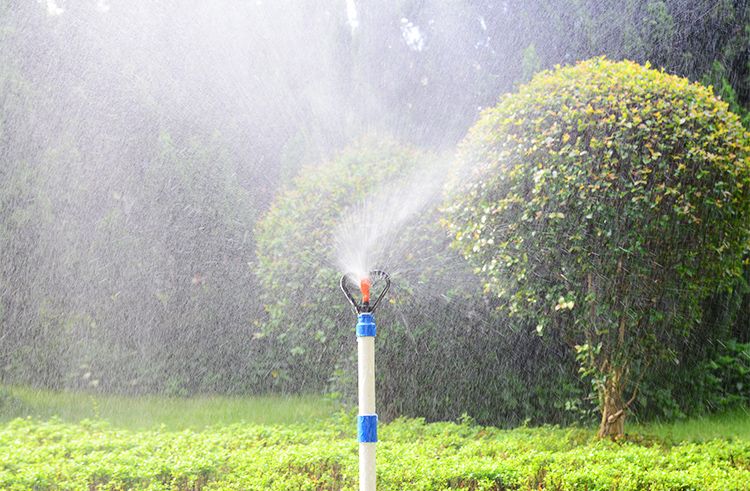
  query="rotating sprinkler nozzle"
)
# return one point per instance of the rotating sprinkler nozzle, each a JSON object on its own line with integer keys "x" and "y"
{"x": 372, "y": 282}
{"x": 367, "y": 420}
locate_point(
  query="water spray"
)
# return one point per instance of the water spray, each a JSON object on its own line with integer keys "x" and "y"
{"x": 367, "y": 419}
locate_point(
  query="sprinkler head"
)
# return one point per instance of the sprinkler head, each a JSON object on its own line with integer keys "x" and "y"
{"x": 374, "y": 281}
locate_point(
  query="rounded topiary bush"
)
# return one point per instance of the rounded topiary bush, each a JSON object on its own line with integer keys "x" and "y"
{"x": 604, "y": 202}
{"x": 437, "y": 355}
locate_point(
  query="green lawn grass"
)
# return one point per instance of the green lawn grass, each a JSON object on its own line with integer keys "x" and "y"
{"x": 174, "y": 413}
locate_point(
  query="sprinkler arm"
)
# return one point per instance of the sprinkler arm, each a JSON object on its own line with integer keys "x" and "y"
{"x": 365, "y": 285}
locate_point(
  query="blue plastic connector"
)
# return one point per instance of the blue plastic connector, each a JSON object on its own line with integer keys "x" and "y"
{"x": 367, "y": 428}
{"x": 366, "y": 325}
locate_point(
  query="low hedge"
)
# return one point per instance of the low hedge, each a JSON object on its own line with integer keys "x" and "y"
{"x": 412, "y": 455}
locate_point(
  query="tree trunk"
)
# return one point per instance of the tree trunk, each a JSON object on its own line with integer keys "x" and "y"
{"x": 612, "y": 406}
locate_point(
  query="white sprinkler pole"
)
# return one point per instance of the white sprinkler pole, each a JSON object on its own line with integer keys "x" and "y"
{"x": 367, "y": 421}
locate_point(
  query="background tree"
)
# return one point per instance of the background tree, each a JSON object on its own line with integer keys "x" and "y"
{"x": 606, "y": 201}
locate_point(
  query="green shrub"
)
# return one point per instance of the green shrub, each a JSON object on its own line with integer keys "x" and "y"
{"x": 308, "y": 316}
{"x": 719, "y": 382}
{"x": 438, "y": 354}
{"x": 729, "y": 373}
{"x": 411, "y": 455}
{"x": 606, "y": 202}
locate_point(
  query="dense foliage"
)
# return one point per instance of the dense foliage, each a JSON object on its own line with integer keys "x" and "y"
{"x": 721, "y": 381}
{"x": 607, "y": 201}
{"x": 412, "y": 455}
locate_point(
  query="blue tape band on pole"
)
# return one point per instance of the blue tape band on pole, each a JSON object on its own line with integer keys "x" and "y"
{"x": 367, "y": 428}
{"x": 366, "y": 325}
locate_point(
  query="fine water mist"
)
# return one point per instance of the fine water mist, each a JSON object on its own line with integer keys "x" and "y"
{"x": 142, "y": 143}
{"x": 366, "y": 235}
